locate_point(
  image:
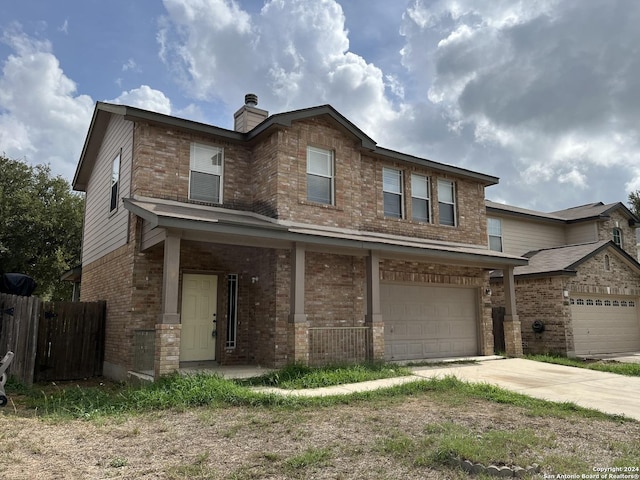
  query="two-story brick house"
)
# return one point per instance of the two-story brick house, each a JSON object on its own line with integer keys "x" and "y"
{"x": 292, "y": 238}
{"x": 582, "y": 283}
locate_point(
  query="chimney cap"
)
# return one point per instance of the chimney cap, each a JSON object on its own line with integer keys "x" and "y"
{"x": 251, "y": 99}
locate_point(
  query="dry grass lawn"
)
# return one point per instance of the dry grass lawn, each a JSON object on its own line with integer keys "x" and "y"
{"x": 389, "y": 438}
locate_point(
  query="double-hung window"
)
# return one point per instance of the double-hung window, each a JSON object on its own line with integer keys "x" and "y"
{"x": 447, "y": 202}
{"x": 494, "y": 227}
{"x": 617, "y": 237}
{"x": 206, "y": 173}
{"x": 392, "y": 192}
{"x": 115, "y": 182}
{"x": 320, "y": 176}
{"x": 420, "y": 200}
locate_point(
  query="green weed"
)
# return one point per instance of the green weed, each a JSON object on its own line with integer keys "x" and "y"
{"x": 301, "y": 376}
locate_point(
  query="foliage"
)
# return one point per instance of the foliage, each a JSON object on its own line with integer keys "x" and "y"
{"x": 298, "y": 376}
{"x": 634, "y": 202}
{"x": 40, "y": 226}
{"x": 628, "y": 369}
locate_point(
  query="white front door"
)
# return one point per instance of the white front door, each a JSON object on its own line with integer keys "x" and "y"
{"x": 199, "y": 300}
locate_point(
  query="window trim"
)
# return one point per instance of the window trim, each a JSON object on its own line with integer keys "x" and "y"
{"x": 452, "y": 203}
{"x": 220, "y": 175}
{"x": 617, "y": 232}
{"x": 115, "y": 182}
{"x": 426, "y": 199}
{"x": 490, "y": 235}
{"x": 331, "y": 176}
{"x": 400, "y": 193}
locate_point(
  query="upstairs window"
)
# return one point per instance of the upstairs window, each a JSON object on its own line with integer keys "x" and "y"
{"x": 320, "y": 176}
{"x": 617, "y": 237}
{"x": 392, "y": 192}
{"x": 420, "y": 200}
{"x": 494, "y": 228}
{"x": 205, "y": 178}
{"x": 447, "y": 202}
{"x": 115, "y": 182}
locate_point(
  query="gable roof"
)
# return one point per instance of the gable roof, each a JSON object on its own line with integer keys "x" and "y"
{"x": 594, "y": 211}
{"x": 581, "y": 213}
{"x": 565, "y": 260}
{"x": 103, "y": 112}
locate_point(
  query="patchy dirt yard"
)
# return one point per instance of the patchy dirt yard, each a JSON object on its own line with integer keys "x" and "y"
{"x": 382, "y": 439}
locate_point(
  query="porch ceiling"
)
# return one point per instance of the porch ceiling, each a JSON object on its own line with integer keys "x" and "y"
{"x": 248, "y": 228}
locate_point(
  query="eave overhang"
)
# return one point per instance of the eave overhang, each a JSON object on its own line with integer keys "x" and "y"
{"x": 177, "y": 216}
{"x": 103, "y": 112}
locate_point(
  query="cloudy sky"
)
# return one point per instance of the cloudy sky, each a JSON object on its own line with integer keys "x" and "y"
{"x": 544, "y": 94}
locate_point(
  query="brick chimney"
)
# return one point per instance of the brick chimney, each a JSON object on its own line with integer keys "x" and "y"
{"x": 248, "y": 116}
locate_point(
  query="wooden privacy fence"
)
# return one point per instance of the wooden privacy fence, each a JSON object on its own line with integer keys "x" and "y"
{"x": 19, "y": 334}
{"x": 52, "y": 340}
{"x": 70, "y": 340}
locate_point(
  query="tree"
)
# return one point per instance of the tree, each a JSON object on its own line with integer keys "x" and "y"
{"x": 40, "y": 226}
{"x": 634, "y": 202}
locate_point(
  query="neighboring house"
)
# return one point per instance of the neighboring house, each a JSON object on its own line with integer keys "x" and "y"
{"x": 293, "y": 238}
{"x": 582, "y": 283}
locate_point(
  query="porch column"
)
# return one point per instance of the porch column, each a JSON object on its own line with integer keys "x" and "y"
{"x": 167, "y": 346}
{"x": 298, "y": 324}
{"x": 512, "y": 328}
{"x": 373, "y": 317}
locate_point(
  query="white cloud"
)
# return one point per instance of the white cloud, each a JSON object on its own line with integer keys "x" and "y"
{"x": 549, "y": 87}
{"x": 293, "y": 54}
{"x": 130, "y": 65}
{"x": 42, "y": 117}
{"x": 64, "y": 28}
{"x": 145, "y": 97}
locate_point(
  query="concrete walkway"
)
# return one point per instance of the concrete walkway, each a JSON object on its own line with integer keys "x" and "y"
{"x": 607, "y": 392}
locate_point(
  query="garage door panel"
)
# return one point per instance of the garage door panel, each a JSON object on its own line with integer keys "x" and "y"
{"x": 422, "y": 322}
{"x": 605, "y": 324}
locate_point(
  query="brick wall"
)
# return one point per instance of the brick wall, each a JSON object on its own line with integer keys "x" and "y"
{"x": 358, "y": 189}
{"x": 541, "y": 299}
{"x": 334, "y": 290}
{"x": 270, "y": 178}
{"x": 109, "y": 279}
{"x": 605, "y": 232}
{"x": 592, "y": 277}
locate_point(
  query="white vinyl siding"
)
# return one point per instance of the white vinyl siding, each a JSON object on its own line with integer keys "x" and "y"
{"x": 522, "y": 236}
{"x": 320, "y": 176}
{"x": 206, "y": 173}
{"x": 104, "y": 231}
{"x": 582, "y": 233}
{"x": 392, "y": 193}
{"x": 447, "y": 202}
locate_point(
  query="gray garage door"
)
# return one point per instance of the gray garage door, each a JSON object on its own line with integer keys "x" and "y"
{"x": 605, "y": 324}
{"x": 428, "y": 322}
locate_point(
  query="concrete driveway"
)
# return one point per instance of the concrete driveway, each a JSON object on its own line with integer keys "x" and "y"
{"x": 607, "y": 392}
